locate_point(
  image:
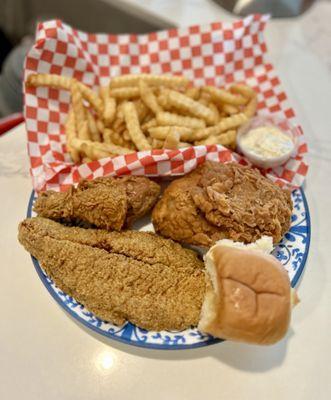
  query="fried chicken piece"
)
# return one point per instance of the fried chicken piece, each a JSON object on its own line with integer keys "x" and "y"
{"x": 108, "y": 203}
{"x": 120, "y": 276}
{"x": 218, "y": 201}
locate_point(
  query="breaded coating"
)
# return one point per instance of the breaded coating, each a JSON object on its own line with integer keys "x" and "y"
{"x": 120, "y": 276}
{"x": 218, "y": 201}
{"x": 108, "y": 203}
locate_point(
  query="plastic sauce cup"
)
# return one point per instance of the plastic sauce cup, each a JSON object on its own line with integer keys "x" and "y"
{"x": 265, "y": 121}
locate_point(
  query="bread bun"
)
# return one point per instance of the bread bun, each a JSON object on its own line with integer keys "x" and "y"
{"x": 248, "y": 296}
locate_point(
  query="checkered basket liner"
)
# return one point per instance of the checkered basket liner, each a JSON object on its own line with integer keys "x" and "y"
{"x": 213, "y": 54}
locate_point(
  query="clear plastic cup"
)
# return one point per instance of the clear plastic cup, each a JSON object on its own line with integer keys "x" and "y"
{"x": 260, "y": 121}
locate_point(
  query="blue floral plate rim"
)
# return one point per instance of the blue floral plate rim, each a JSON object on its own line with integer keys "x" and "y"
{"x": 300, "y": 270}
{"x": 154, "y": 346}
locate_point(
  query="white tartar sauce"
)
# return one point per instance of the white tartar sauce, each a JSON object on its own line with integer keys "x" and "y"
{"x": 267, "y": 141}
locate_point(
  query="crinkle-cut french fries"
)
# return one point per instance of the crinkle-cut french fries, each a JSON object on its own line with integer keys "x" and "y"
{"x": 161, "y": 132}
{"x": 203, "y": 101}
{"x": 71, "y": 133}
{"x": 100, "y": 125}
{"x": 229, "y": 109}
{"x": 251, "y": 106}
{"x": 142, "y": 112}
{"x": 226, "y": 123}
{"x": 157, "y": 144}
{"x": 172, "y": 140}
{"x": 243, "y": 89}
{"x": 166, "y": 118}
{"x": 86, "y": 149}
{"x": 225, "y": 138}
{"x": 125, "y": 93}
{"x": 111, "y": 136}
{"x": 126, "y": 135}
{"x": 148, "y": 97}
{"x": 192, "y": 107}
{"x": 163, "y": 101}
{"x": 155, "y": 80}
{"x": 133, "y": 126}
{"x": 149, "y": 124}
{"x": 109, "y": 110}
{"x": 93, "y": 127}
{"x": 92, "y": 98}
{"x": 49, "y": 80}
{"x": 193, "y": 93}
{"x": 119, "y": 123}
{"x": 142, "y": 109}
{"x": 107, "y": 135}
{"x": 63, "y": 82}
{"x": 92, "y": 149}
{"x": 109, "y": 105}
{"x": 114, "y": 149}
{"x": 216, "y": 111}
{"x": 85, "y": 132}
{"x": 148, "y": 117}
{"x": 223, "y": 96}
{"x": 80, "y": 112}
{"x": 205, "y": 97}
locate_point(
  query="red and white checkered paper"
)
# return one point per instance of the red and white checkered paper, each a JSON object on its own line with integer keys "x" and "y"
{"x": 215, "y": 54}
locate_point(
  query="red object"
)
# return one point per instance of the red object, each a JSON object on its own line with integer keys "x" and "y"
{"x": 212, "y": 54}
{"x": 10, "y": 122}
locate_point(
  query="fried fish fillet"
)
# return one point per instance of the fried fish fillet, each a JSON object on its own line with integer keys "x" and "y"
{"x": 218, "y": 201}
{"x": 120, "y": 276}
{"x": 108, "y": 203}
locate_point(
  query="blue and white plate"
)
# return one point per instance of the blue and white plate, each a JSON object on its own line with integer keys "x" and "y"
{"x": 292, "y": 253}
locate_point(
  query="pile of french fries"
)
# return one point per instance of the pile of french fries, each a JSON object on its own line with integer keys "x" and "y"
{"x": 143, "y": 112}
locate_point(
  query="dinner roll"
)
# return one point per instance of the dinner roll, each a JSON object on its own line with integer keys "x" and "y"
{"x": 248, "y": 296}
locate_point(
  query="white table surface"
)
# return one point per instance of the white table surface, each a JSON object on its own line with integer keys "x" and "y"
{"x": 44, "y": 354}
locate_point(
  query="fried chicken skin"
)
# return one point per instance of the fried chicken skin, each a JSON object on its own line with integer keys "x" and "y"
{"x": 108, "y": 203}
{"x": 218, "y": 201}
{"x": 120, "y": 276}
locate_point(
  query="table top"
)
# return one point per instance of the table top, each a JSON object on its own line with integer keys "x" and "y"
{"x": 46, "y": 354}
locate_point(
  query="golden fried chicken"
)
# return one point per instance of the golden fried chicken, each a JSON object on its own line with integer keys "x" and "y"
{"x": 218, "y": 201}
{"x": 120, "y": 276}
{"x": 108, "y": 203}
